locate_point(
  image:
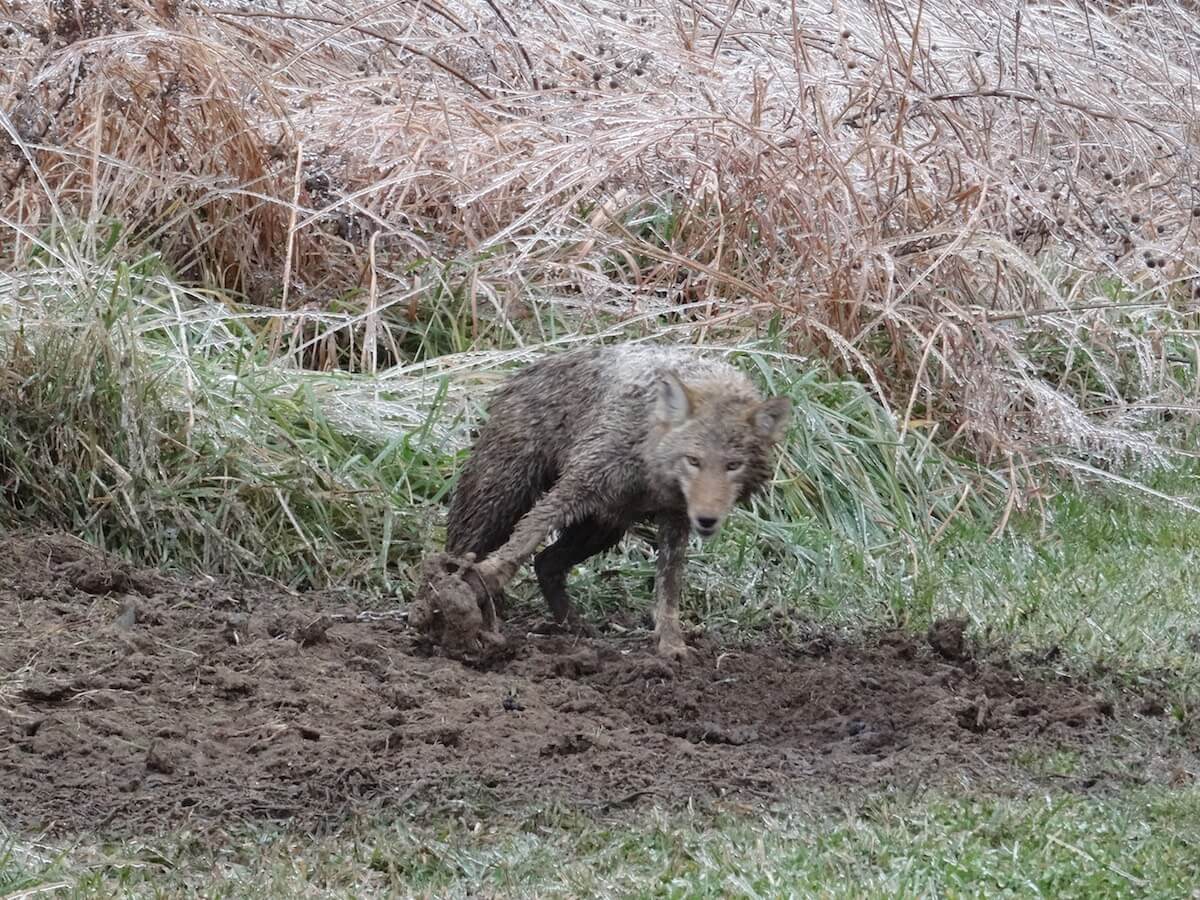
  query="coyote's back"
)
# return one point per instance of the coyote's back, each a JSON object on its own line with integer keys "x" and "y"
{"x": 591, "y": 408}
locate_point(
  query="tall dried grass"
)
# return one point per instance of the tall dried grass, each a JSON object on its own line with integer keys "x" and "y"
{"x": 987, "y": 212}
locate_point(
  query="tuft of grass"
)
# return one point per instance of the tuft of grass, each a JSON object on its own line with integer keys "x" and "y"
{"x": 144, "y": 418}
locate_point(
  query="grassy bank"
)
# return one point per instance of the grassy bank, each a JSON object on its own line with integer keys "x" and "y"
{"x": 151, "y": 420}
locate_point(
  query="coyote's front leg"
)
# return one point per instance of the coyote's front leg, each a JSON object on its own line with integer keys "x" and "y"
{"x": 668, "y": 585}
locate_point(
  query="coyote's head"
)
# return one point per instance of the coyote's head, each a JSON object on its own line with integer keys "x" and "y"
{"x": 715, "y": 444}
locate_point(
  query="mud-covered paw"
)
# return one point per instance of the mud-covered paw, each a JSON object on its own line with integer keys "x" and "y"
{"x": 675, "y": 650}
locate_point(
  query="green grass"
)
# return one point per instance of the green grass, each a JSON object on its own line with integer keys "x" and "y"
{"x": 146, "y": 419}
{"x": 1145, "y": 844}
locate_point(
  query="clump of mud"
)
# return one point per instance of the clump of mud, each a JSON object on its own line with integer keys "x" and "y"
{"x": 133, "y": 702}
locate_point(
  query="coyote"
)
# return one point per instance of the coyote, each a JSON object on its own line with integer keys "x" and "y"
{"x": 588, "y": 443}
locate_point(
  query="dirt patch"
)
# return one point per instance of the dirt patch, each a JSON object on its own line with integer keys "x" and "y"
{"x": 130, "y": 701}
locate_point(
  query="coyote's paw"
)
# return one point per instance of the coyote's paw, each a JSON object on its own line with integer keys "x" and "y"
{"x": 675, "y": 650}
{"x": 454, "y": 608}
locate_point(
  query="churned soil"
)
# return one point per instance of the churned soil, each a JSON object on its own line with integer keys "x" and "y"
{"x": 132, "y": 701}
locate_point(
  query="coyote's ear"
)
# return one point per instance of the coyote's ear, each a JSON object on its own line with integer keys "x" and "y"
{"x": 771, "y": 417}
{"x": 672, "y": 405}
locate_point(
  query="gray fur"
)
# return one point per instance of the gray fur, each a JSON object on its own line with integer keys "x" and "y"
{"x": 589, "y": 442}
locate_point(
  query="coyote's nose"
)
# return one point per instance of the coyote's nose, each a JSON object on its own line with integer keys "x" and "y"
{"x": 705, "y": 525}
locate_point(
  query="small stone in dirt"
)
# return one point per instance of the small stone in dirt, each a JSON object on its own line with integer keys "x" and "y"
{"x": 947, "y": 637}
{"x": 511, "y": 704}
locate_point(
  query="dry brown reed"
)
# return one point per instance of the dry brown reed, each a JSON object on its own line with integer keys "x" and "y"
{"x": 989, "y": 212}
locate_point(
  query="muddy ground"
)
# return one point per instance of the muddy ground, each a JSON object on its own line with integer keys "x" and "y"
{"x": 131, "y": 702}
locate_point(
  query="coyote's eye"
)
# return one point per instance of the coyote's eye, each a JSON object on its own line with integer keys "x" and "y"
{"x": 734, "y": 465}
{"x": 693, "y": 461}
